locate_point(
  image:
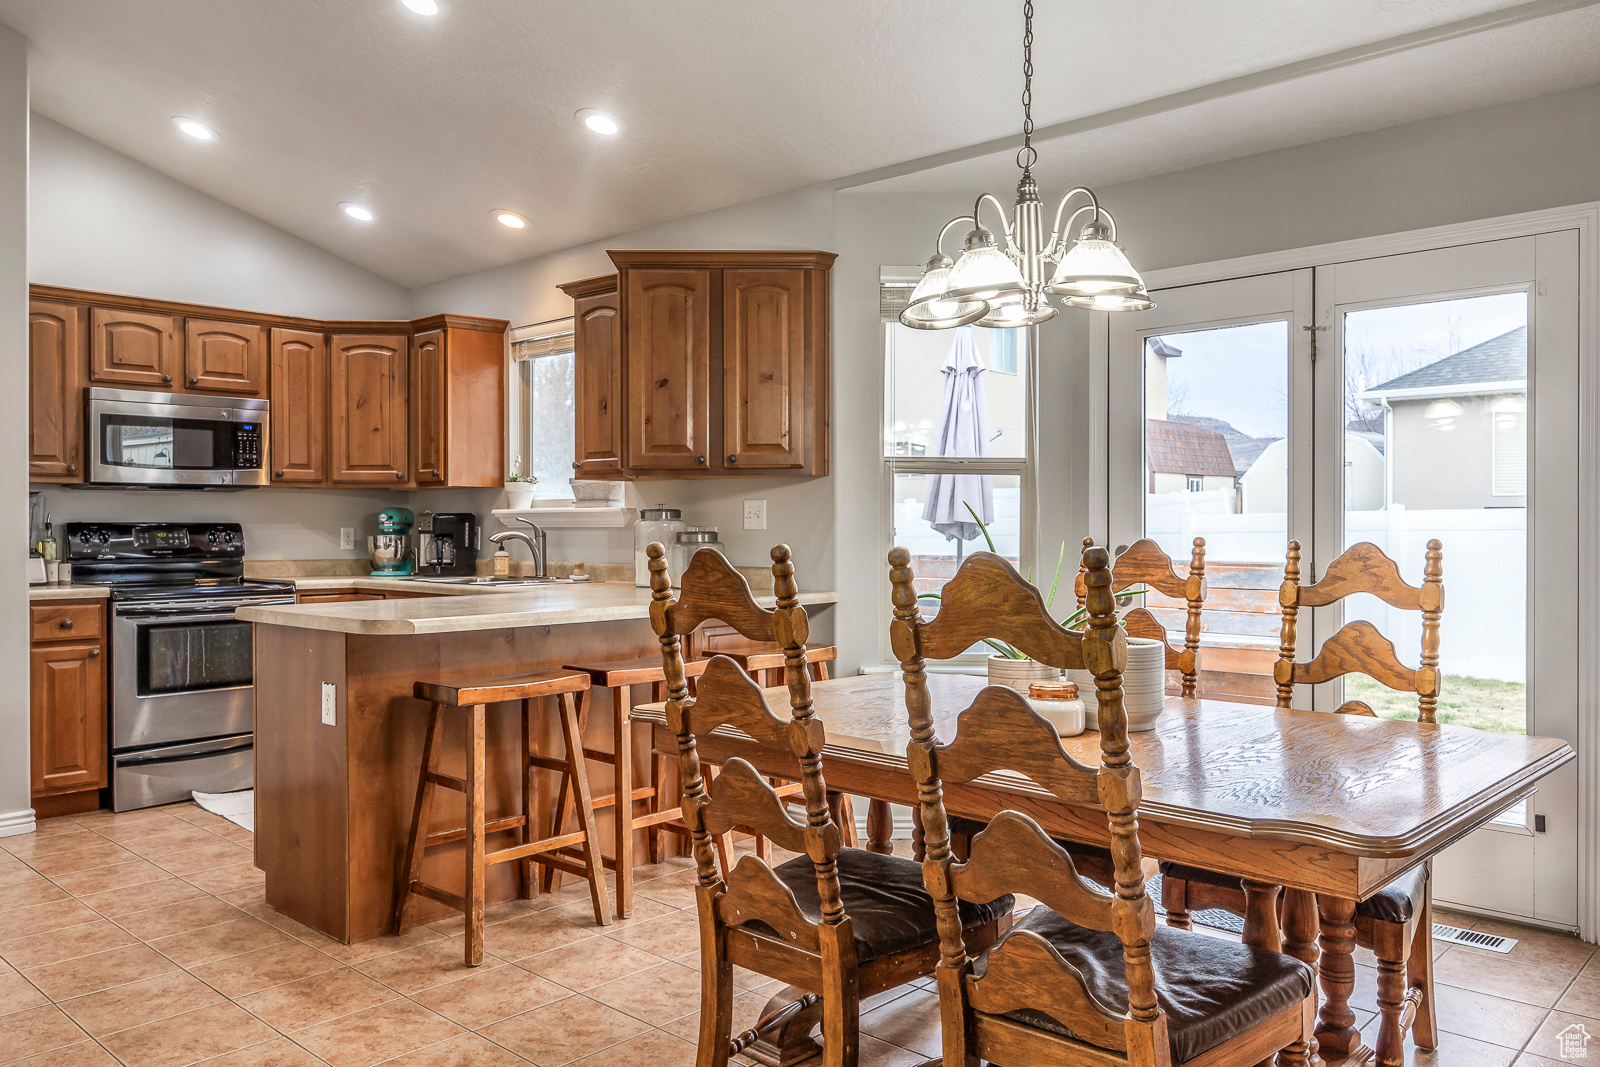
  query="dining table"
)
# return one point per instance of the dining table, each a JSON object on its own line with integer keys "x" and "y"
{"x": 1329, "y": 807}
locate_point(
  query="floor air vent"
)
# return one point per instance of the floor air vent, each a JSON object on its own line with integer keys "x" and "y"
{"x": 1454, "y": 935}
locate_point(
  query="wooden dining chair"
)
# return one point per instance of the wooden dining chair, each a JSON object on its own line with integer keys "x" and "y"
{"x": 840, "y": 923}
{"x": 1397, "y": 922}
{"x": 1086, "y": 977}
{"x": 1145, "y": 563}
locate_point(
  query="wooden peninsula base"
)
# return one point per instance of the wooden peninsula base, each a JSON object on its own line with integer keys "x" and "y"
{"x": 334, "y": 800}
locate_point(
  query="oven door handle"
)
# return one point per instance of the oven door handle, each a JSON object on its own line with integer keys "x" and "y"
{"x": 177, "y": 754}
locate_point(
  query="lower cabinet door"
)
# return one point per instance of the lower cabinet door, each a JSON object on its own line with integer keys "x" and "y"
{"x": 69, "y": 717}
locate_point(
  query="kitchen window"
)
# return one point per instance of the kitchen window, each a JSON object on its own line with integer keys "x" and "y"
{"x": 957, "y": 434}
{"x": 542, "y": 426}
{"x": 1510, "y": 415}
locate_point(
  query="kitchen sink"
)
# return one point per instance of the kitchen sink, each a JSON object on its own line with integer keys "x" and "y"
{"x": 495, "y": 581}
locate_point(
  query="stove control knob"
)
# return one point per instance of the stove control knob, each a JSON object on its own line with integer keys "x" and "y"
{"x": 214, "y": 536}
{"x": 104, "y": 537}
{"x": 227, "y": 537}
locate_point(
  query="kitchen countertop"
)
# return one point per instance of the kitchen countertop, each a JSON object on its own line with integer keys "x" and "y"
{"x": 471, "y": 609}
{"x": 67, "y": 592}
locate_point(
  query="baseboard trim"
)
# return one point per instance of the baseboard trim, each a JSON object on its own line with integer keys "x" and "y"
{"x": 13, "y": 823}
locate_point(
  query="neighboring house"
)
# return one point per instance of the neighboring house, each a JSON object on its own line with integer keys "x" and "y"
{"x": 1457, "y": 429}
{"x": 1264, "y": 488}
{"x": 1184, "y": 458}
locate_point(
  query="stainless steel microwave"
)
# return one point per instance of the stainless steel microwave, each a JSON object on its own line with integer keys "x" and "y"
{"x": 150, "y": 440}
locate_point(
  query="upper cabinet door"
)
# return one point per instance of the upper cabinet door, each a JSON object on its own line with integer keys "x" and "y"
{"x": 369, "y": 422}
{"x": 132, "y": 348}
{"x": 298, "y": 436}
{"x": 224, "y": 357}
{"x": 55, "y": 392}
{"x": 428, "y": 407}
{"x": 669, "y": 368}
{"x": 764, "y": 368}
{"x": 597, "y": 343}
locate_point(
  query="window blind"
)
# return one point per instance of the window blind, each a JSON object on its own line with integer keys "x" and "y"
{"x": 893, "y": 298}
{"x": 555, "y": 344}
{"x": 1510, "y": 450}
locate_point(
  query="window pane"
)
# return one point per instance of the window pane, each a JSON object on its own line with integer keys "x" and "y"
{"x": 1436, "y": 446}
{"x": 550, "y": 433}
{"x": 1216, "y": 466}
{"x": 939, "y": 539}
{"x": 916, "y": 419}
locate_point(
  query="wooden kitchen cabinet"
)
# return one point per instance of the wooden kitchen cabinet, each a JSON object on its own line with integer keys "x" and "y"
{"x": 56, "y": 368}
{"x": 369, "y": 419}
{"x": 68, "y": 706}
{"x": 457, "y": 403}
{"x": 132, "y": 348}
{"x": 298, "y": 433}
{"x": 765, "y": 402}
{"x": 598, "y": 409}
{"x": 717, "y": 359}
{"x": 224, "y": 357}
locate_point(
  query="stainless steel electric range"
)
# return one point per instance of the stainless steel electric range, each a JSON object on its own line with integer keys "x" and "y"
{"x": 182, "y": 669}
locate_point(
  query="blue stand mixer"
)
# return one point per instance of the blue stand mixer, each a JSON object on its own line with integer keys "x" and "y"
{"x": 390, "y": 548}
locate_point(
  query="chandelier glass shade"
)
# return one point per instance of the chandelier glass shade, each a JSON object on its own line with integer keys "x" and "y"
{"x": 1010, "y": 286}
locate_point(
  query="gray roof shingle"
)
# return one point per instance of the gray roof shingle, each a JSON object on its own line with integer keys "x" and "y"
{"x": 1499, "y": 359}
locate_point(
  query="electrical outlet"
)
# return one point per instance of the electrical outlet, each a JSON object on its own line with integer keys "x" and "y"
{"x": 330, "y": 704}
{"x": 755, "y": 514}
{"x": 347, "y": 538}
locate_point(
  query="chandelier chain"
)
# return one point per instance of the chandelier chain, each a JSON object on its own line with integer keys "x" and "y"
{"x": 1027, "y": 156}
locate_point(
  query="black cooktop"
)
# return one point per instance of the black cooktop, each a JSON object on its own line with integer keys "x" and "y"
{"x": 164, "y": 561}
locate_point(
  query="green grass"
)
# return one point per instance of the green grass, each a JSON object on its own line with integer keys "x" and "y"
{"x": 1481, "y": 703}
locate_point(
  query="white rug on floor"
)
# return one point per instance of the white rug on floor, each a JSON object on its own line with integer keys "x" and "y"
{"x": 237, "y": 807}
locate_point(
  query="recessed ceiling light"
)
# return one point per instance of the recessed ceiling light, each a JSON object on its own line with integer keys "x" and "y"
{"x": 194, "y": 128}
{"x": 601, "y": 122}
{"x": 356, "y": 211}
{"x": 423, "y": 7}
{"x": 510, "y": 219}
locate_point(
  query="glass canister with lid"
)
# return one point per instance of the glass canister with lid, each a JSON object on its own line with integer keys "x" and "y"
{"x": 691, "y": 541}
{"x": 659, "y": 523}
{"x": 1059, "y": 702}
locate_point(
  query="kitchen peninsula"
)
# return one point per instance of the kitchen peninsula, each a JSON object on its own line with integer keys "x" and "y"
{"x": 335, "y": 785}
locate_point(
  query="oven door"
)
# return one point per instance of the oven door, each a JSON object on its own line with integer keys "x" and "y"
{"x": 143, "y": 443}
{"x": 179, "y": 675}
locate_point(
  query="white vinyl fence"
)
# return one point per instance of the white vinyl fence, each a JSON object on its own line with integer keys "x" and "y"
{"x": 1484, "y": 630}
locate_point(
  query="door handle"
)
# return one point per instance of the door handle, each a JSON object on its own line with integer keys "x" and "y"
{"x": 700, "y": 460}
{"x": 194, "y": 381}
{"x": 94, "y": 653}
{"x": 166, "y": 379}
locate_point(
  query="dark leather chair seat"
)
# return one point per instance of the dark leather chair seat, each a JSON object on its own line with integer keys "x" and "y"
{"x": 1212, "y": 990}
{"x": 1398, "y": 901}
{"x": 888, "y": 906}
{"x": 1186, "y": 873}
{"x": 1093, "y": 855}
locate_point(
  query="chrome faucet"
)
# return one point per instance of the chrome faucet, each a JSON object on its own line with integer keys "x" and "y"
{"x": 534, "y": 541}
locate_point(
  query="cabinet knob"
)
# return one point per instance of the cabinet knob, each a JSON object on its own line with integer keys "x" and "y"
{"x": 399, "y": 475}
{"x": 732, "y": 458}
{"x": 166, "y": 379}
{"x": 66, "y": 624}
{"x": 700, "y": 459}
{"x": 194, "y": 381}
{"x": 94, "y": 653}
{"x": 72, "y": 468}
{"x": 277, "y": 474}
{"x": 575, "y": 466}
{"x": 433, "y": 471}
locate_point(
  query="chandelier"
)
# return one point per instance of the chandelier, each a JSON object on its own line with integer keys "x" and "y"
{"x": 1005, "y": 288}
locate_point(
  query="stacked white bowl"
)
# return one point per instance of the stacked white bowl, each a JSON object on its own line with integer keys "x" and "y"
{"x": 1144, "y": 686}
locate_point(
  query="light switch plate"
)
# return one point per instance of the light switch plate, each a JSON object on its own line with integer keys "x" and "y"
{"x": 347, "y": 538}
{"x": 330, "y": 703}
{"x": 755, "y": 514}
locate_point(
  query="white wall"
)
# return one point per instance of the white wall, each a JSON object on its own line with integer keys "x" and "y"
{"x": 16, "y": 814}
{"x": 100, "y": 221}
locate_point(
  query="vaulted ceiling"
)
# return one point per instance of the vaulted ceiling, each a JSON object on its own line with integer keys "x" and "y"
{"x": 435, "y": 122}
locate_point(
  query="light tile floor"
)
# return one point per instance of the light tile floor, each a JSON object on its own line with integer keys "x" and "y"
{"x": 143, "y": 939}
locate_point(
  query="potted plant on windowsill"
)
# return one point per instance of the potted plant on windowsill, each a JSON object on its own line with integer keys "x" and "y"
{"x": 519, "y": 491}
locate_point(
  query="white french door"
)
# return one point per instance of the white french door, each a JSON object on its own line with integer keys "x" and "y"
{"x": 1394, "y": 400}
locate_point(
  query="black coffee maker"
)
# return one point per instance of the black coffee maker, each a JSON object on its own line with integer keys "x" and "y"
{"x": 447, "y": 543}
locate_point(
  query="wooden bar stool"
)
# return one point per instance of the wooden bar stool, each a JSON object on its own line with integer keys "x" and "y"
{"x": 620, "y": 676}
{"x": 766, "y": 665}
{"x": 572, "y": 692}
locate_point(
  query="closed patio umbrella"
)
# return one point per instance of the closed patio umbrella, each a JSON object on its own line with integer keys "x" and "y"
{"x": 963, "y": 431}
